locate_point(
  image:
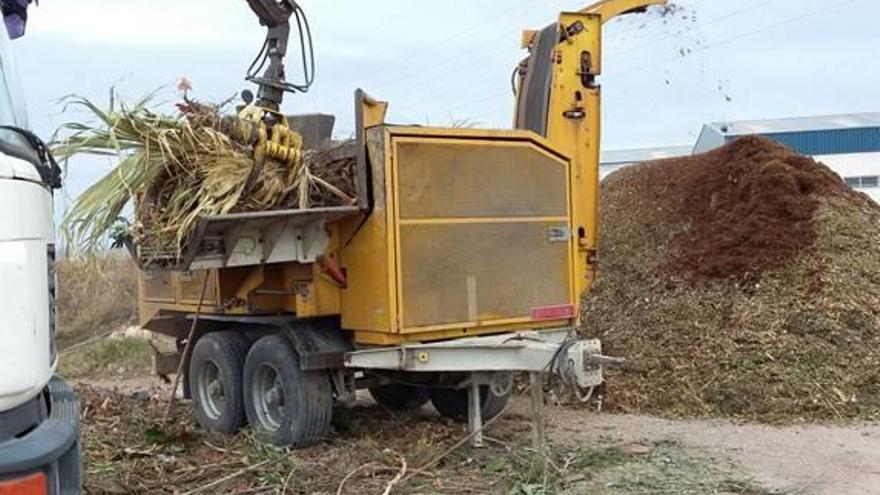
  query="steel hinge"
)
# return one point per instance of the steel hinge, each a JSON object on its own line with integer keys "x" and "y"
{"x": 574, "y": 114}
{"x": 559, "y": 234}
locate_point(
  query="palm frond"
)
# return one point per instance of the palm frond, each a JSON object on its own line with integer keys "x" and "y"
{"x": 174, "y": 170}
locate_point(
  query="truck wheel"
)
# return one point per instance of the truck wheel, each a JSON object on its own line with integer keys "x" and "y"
{"x": 285, "y": 405}
{"x": 215, "y": 381}
{"x": 453, "y": 403}
{"x": 400, "y": 398}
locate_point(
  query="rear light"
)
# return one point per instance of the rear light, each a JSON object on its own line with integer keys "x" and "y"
{"x": 563, "y": 311}
{"x": 34, "y": 484}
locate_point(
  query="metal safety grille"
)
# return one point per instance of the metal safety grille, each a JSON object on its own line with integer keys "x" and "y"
{"x": 483, "y": 230}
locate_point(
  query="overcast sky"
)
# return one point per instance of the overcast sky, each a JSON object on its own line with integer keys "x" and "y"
{"x": 438, "y": 61}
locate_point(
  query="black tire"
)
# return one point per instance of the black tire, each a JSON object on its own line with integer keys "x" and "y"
{"x": 453, "y": 403}
{"x": 285, "y": 405}
{"x": 400, "y": 398}
{"x": 217, "y": 362}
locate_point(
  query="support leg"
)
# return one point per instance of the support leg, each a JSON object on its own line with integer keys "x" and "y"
{"x": 475, "y": 417}
{"x": 537, "y": 390}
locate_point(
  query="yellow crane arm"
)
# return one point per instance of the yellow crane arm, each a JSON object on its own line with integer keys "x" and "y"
{"x": 606, "y": 9}
{"x": 609, "y": 9}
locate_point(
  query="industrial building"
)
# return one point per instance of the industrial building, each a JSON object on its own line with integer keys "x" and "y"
{"x": 849, "y": 144}
{"x": 614, "y": 160}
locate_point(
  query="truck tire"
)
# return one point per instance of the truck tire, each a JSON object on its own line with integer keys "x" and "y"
{"x": 285, "y": 405}
{"x": 400, "y": 398}
{"x": 214, "y": 378}
{"x": 453, "y": 403}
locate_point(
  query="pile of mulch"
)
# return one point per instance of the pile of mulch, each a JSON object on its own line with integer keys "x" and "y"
{"x": 744, "y": 282}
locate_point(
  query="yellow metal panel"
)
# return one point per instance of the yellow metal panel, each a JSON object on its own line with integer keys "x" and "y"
{"x": 579, "y": 137}
{"x": 255, "y": 277}
{"x": 374, "y": 112}
{"x": 157, "y": 287}
{"x": 478, "y": 178}
{"x": 528, "y": 37}
{"x": 376, "y": 338}
{"x": 321, "y": 297}
{"x": 475, "y": 220}
{"x": 609, "y": 9}
{"x": 480, "y": 273}
{"x": 147, "y": 311}
{"x": 367, "y": 303}
{"x": 191, "y": 287}
{"x": 478, "y": 256}
{"x": 498, "y": 137}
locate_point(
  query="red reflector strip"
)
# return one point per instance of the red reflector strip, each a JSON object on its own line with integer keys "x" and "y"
{"x": 560, "y": 312}
{"x": 34, "y": 484}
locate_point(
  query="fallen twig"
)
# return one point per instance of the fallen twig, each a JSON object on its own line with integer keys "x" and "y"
{"x": 232, "y": 476}
{"x": 397, "y": 478}
{"x": 454, "y": 446}
{"x": 287, "y": 481}
{"x": 351, "y": 474}
{"x": 87, "y": 342}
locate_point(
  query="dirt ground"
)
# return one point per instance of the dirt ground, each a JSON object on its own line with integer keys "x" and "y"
{"x": 674, "y": 456}
{"x": 809, "y": 458}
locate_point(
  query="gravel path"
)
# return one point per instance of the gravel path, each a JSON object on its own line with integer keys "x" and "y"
{"x": 810, "y": 459}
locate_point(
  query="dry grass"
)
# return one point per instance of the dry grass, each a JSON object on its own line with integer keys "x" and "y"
{"x": 96, "y": 295}
{"x": 108, "y": 358}
{"x": 128, "y": 451}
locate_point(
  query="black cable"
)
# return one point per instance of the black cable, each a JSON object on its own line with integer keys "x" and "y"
{"x": 307, "y": 54}
{"x": 302, "y": 49}
{"x": 260, "y": 59}
{"x": 307, "y": 50}
{"x": 50, "y": 172}
{"x": 311, "y": 49}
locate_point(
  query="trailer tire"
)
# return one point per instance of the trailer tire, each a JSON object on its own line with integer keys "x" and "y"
{"x": 399, "y": 397}
{"x": 285, "y": 405}
{"x": 453, "y": 403}
{"x": 214, "y": 379}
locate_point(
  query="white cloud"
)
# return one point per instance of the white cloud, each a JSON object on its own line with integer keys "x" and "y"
{"x": 146, "y": 22}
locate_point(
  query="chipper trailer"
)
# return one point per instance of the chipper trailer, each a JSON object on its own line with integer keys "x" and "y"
{"x": 462, "y": 261}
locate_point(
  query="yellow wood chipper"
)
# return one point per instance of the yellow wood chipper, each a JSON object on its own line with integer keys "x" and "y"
{"x": 462, "y": 262}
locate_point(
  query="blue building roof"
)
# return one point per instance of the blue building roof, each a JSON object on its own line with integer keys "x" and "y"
{"x": 826, "y": 135}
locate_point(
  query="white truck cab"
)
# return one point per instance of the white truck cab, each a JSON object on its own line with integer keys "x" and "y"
{"x": 27, "y": 358}
{"x": 39, "y": 414}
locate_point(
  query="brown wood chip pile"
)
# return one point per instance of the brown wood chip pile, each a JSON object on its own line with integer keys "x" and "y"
{"x": 745, "y": 283}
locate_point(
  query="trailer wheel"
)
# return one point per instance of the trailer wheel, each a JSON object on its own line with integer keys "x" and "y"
{"x": 285, "y": 405}
{"x": 214, "y": 379}
{"x": 400, "y": 398}
{"x": 453, "y": 403}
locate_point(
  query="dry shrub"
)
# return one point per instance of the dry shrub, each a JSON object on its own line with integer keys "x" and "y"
{"x": 777, "y": 330}
{"x": 108, "y": 358}
{"x": 96, "y": 295}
